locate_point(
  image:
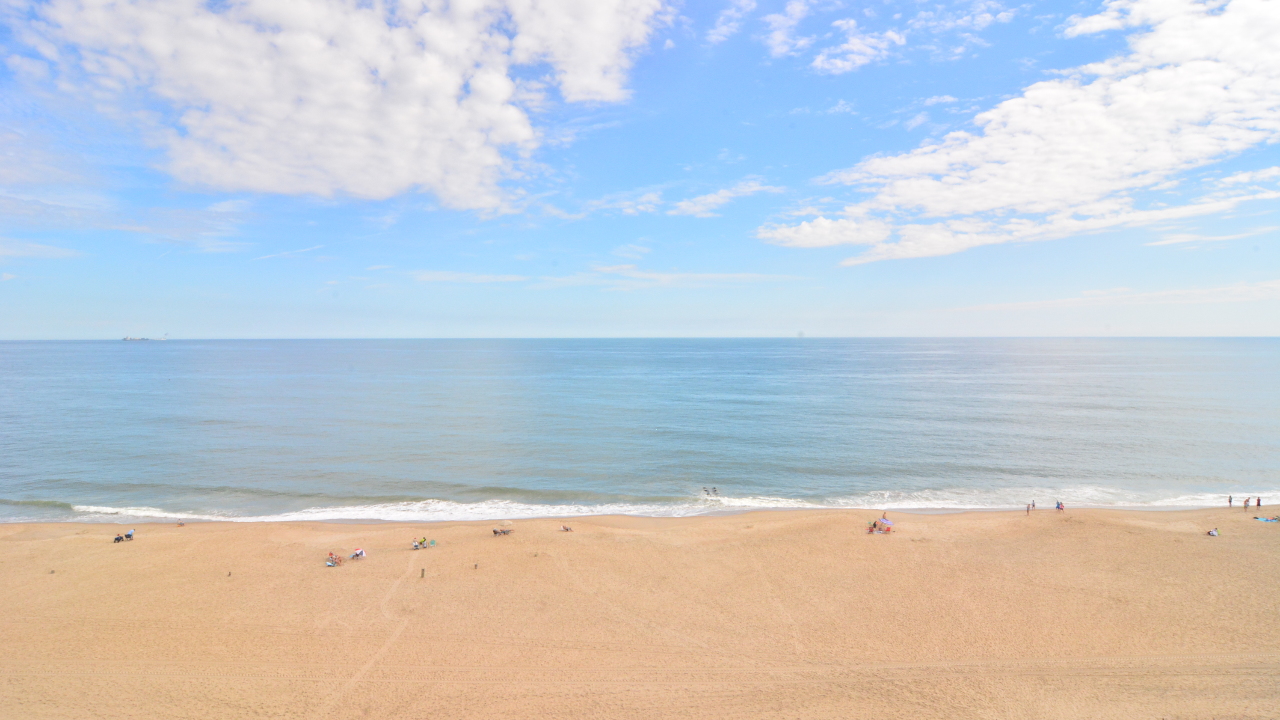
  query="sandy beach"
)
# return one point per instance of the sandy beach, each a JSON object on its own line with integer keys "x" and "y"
{"x": 1083, "y": 614}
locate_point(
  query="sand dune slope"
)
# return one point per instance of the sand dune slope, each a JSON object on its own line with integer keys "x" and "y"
{"x": 1087, "y": 614}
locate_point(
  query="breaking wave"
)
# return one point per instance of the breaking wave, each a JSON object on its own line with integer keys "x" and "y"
{"x": 433, "y": 510}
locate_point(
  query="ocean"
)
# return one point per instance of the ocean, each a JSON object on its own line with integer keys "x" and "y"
{"x": 108, "y": 431}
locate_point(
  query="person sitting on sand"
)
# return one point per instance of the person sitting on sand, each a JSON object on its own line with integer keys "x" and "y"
{"x": 129, "y": 535}
{"x": 357, "y": 554}
{"x": 416, "y": 545}
{"x": 1214, "y": 532}
{"x": 119, "y": 538}
{"x": 565, "y": 528}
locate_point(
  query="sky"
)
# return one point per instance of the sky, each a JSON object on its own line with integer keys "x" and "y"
{"x": 621, "y": 168}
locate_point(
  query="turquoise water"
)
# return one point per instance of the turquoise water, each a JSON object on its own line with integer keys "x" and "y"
{"x": 470, "y": 429}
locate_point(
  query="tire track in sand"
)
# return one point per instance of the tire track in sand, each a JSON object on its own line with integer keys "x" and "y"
{"x": 359, "y": 675}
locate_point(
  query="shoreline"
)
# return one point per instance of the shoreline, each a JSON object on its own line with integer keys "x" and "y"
{"x": 725, "y": 512}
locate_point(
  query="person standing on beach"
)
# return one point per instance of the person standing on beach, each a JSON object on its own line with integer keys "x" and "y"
{"x": 1229, "y": 501}
{"x": 1028, "y": 508}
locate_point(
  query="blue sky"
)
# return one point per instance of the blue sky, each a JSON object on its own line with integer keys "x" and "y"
{"x": 332, "y": 168}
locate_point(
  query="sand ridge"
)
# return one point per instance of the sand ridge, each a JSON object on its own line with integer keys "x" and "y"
{"x": 1088, "y": 613}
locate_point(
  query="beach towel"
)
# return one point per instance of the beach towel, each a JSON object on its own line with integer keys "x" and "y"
{"x": 1268, "y": 519}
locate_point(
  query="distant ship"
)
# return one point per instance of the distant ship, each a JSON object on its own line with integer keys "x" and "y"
{"x": 134, "y": 338}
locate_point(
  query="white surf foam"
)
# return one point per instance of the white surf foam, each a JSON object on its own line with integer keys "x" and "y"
{"x": 88, "y": 511}
{"x": 447, "y": 510}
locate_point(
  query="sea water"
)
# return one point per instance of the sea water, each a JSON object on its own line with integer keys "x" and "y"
{"x": 474, "y": 429}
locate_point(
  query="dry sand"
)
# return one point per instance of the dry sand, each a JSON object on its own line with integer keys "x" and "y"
{"x": 1087, "y": 614}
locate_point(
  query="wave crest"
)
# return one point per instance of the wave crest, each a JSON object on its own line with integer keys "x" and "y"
{"x": 434, "y": 510}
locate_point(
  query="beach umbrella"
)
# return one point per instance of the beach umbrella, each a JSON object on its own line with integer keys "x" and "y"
{"x": 883, "y": 521}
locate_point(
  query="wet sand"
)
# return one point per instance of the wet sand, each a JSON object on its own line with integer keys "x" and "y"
{"x": 1083, "y": 614}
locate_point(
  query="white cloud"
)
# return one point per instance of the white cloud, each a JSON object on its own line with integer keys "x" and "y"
{"x": 289, "y": 253}
{"x": 646, "y": 203}
{"x": 781, "y": 38}
{"x": 1255, "y": 176}
{"x": 7, "y": 276}
{"x": 632, "y": 252}
{"x": 30, "y": 68}
{"x": 859, "y": 48}
{"x": 366, "y": 98}
{"x": 229, "y": 206}
{"x": 54, "y": 202}
{"x": 729, "y": 22}
{"x": 22, "y": 249}
{"x": 939, "y": 99}
{"x": 1070, "y": 155}
{"x": 916, "y": 121}
{"x": 825, "y": 232}
{"x": 447, "y": 276}
{"x": 862, "y": 47}
{"x": 842, "y": 107}
{"x": 28, "y": 161}
{"x": 630, "y": 277}
{"x": 1240, "y": 292}
{"x": 978, "y": 15}
{"x": 634, "y": 202}
{"x": 704, "y": 205}
{"x": 1179, "y": 238}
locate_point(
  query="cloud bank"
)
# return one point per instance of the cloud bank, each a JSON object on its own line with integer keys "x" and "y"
{"x": 369, "y": 98}
{"x": 1201, "y": 83}
{"x": 1238, "y": 293}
